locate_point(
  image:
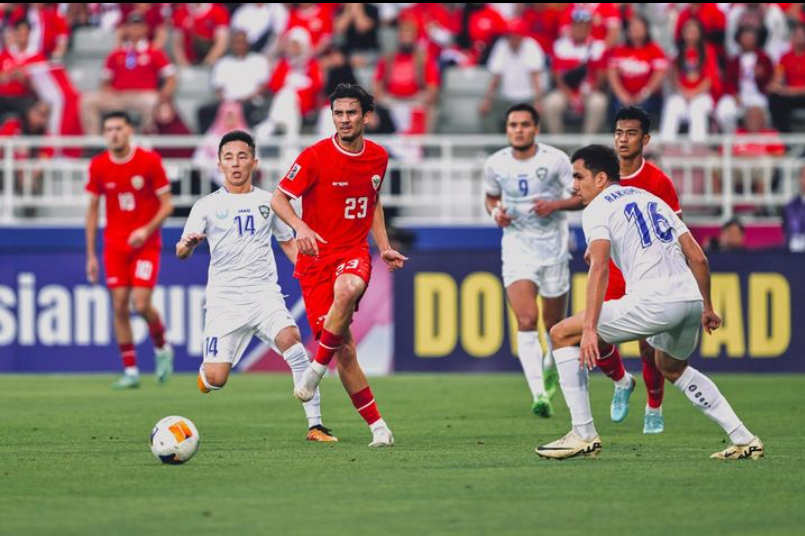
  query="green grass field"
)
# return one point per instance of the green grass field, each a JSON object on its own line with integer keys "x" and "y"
{"x": 74, "y": 460}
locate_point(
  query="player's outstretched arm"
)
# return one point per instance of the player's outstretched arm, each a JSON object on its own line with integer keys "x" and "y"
{"x": 91, "y": 232}
{"x": 186, "y": 245}
{"x": 597, "y": 280}
{"x": 546, "y": 207}
{"x": 306, "y": 238}
{"x": 393, "y": 259}
{"x": 700, "y": 267}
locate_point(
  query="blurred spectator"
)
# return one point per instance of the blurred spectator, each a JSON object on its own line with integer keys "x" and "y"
{"x": 481, "y": 27}
{"x": 577, "y": 70}
{"x": 794, "y": 219}
{"x": 731, "y": 238}
{"x": 33, "y": 123}
{"x": 435, "y": 23}
{"x": 794, "y": 12}
{"x": 49, "y": 31}
{"x": 336, "y": 70}
{"x": 746, "y": 80}
{"x": 154, "y": 19}
{"x": 16, "y": 94}
{"x": 714, "y": 23}
{"x": 407, "y": 82}
{"x": 636, "y": 70}
{"x": 542, "y": 21}
{"x": 696, "y": 81}
{"x": 358, "y": 27}
{"x": 264, "y": 24}
{"x": 516, "y": 63}
{"x": 606, "y": 21}
{"x": 239, "y": 76}
{"x": 230, "y": 117}
{"x": 787, "y": 90}
{"x": 168, "y": 122}
{"x": 756, "y": 171}
{"x": 131, "y": 79}
{"x": 295, "y": 85}
{"x": 317, "y": 19}
{"x": 769, "y": 19}
{"x": 200, "y": 34}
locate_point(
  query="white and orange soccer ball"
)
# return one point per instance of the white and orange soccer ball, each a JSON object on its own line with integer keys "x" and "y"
{"x": 174, "y": 440}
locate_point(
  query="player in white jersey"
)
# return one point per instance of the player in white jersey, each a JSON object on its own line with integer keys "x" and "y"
{"x": 667, "y": 299}
{"x": 528, "y": 186}
{"x": 243, "y": 298}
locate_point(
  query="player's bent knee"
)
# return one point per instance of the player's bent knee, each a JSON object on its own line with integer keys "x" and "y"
{"x": 558, "y": 335}
{"x": 527, "y": 322}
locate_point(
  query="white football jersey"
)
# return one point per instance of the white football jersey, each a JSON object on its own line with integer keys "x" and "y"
{"x": 239, "y": 229}
{"x": 547, "y": 175}
{"x": 644, "y": 239}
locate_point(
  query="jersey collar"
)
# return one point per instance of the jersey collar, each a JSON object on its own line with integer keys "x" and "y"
{"x": 636, "y": 173}
{"x": 344, "y": 151}
{"x": 126, "y": 159}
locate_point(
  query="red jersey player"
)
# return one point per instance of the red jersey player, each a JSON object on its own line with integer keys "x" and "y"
{"x": 138, "y": 200}
{"x": 632, "y": 126}
{"x": 339, "y": 181}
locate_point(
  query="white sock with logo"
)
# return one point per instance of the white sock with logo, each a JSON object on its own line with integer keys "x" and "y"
{"x": 531, "y": 360}
{"x": 297, "y": 358}
{"x": 574, "y": 381}
{"x": 705, "y": 395}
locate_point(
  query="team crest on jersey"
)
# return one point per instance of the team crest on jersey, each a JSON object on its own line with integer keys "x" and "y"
{"x": 294, "y": 171}
{"x": 265, "y": 211}
{"x": 376, "y": 181}
{"x": 137, "y": 182}
{"x": 542, "y": 173}
{"x": 222, "y": 214}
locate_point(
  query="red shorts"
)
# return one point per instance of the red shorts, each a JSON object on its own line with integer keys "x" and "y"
{"x": 138, "y": 268}
{"x": 616, "y": 288}
{"x": 317, "y": 277}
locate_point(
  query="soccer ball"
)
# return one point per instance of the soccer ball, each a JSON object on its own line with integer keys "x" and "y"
{"x": 174, "y": 440}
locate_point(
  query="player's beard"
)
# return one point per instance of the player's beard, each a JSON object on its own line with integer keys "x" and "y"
{"x": 351, "y": 137}
{"x": 523, "y": 148}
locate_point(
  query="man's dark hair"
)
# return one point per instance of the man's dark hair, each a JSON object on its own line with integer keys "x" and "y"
{"x": 117, "y": 114}
{"x": 524, "y": 107}
{"x": 22, "y": 22}
{"x": 353, "y": 91}
{"x": 598, "y": 158}
{"x": 635, "y": 113}
{"x": 237, "y": 135}
{"x": 734, "y": 221}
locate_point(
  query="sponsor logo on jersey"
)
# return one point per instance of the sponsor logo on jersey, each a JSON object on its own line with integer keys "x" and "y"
{"x": 376, "y": 181}
{"x": 137, "y": 182}
{"x": 294, "y": 171}
{"x": 111, "y": 185}
{"x": 341, "y": 183}
{"x": 265, "y": 211}
{"x": 542, "y": 173}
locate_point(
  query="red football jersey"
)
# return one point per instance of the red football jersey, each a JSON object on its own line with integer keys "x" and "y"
{"x": 339, "y": 191}
{"x": 650, "y": 178}
{"x": 132, "y": 187}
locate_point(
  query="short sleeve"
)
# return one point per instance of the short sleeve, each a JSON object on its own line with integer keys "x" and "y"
{"x": 492, "y": 183}
{"x": 497, "y": 61}
{"x": 196, "y": 221}
{"x": 159, "y": 179}
{"x": 163, "y": 64}
{"x": 94, "y": 184}
{"x": 594, "y": 222}
{"x": 534, "y": 56}
{"x": 281, "y": 230}
{"x": 107, "y": 73}
{"x": 679, "y": 226}
{"x": 302, "y": 176}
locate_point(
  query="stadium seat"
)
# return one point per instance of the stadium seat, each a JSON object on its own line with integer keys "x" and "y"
{"x": 195, "y": 82}
{"x": 92, "y": 43}
{"x": 462, "y": 92}
{"x": 85, "y": 73}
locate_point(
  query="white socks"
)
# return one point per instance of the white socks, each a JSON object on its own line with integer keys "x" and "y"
{"x": 530, "y": 352}
{"x": 574, "y": 383}
{"x": 705, "y": 395}
{"x": 547, "y": 362}
{"x": 377, "y": 425}
{"x": 297, "y": 358}
{"x": 131, "y": 371}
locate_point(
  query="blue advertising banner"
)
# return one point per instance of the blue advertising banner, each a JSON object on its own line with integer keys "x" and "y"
{"x": 52, "y": 320}
{"x": 450, "y": 313}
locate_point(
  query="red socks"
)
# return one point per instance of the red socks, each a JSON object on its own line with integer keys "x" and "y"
{"x": 655, "y": 381}
{"x": 157, "y": 331}
{"x": 364, "y": 402}
{"x": 611, "y": 364}
{"x": 129, "y": 355}
{"x": 328, "y": 346}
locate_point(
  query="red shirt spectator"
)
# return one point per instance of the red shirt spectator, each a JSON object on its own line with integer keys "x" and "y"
{"x": 712, "y": 18}
{"x": 543, "y": 22}
{"x": 307, "y": 90}
{"x": 793, "y": 67}
{"x": 410, "y": 73}
{"x": 317, "y": 19}
{"x": 14, "y": 128}
{"x": 199, "y": 24}
{"x": 13, "y": 77}
{"x": 49, "y": 31}
{"x": 136, "y": 67}
{"x": 692, "y": 69}
{"x": 762, "y": 73}
{"x": 606, "y": 18}
{"x": 153, "y": 16}
{"x": 750, "y": 149}
{"x": 569, "y": 55}
{"x": 635, "y": 66}
{"x": 435, "y": 23}
{"x": 483, "y": 27}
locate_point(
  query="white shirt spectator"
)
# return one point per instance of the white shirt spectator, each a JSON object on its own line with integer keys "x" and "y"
{"x": 258, "y": 19}
{"x": 240, "y": 78}
{"x": 516, "y": 68}
{"x": 775, "y": 22}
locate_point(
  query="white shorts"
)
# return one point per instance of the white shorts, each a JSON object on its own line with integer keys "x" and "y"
{"x": 670, "y": 327}
{"x": 223, "y": 344}
{"x": 552, "y": 281}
